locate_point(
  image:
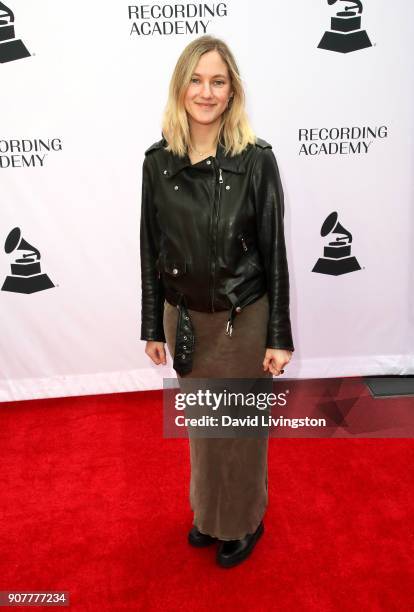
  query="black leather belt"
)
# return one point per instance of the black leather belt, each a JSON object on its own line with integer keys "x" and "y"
{"x": 185, "y": 340}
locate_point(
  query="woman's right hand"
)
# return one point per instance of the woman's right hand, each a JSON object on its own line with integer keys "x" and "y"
{"x": 156, "y": 351}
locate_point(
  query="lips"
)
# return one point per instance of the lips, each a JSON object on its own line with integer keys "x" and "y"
{"x": 205, "y": 105}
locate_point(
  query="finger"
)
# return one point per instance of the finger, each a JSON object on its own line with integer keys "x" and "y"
{"x": 162, "y": 355}
{"x": 153, "y": 355}
{"x": 275, "y": 368}
{"x": 158, "y": 356}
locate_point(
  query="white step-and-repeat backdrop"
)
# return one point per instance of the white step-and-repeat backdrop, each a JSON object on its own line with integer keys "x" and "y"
{"x": 83, "y": 87}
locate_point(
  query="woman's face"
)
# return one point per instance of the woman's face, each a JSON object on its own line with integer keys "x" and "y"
{"x": 208, "y": 93}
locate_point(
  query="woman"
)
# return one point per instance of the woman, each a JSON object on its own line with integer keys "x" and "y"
{"x": 215, "y": 283}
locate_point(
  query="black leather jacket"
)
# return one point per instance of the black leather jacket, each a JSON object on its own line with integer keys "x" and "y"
{"x": 212, "y": 239}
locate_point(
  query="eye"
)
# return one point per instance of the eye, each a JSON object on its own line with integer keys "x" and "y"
{"x": 220, "y": 82}
{"x": 194, "y": 79}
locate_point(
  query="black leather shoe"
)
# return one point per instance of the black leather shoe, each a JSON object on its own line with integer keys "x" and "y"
{"x": 232, "y": 552}
{"x": 196, "y": 538}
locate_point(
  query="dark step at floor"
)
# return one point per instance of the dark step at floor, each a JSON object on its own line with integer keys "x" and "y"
{"x": 390, "y": 386}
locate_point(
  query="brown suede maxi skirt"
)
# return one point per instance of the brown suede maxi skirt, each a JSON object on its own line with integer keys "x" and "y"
{"x": 228, "y": 485}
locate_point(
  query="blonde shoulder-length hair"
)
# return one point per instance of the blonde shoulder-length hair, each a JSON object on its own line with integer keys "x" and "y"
{"x": 235, "y": 132}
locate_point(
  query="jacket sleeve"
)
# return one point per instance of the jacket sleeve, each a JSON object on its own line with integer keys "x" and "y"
{"x": 269, "y": 203}
{"x": 152, "y": 309}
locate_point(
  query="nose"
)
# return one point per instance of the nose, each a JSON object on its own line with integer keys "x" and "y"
{"x": 205, "y": 90}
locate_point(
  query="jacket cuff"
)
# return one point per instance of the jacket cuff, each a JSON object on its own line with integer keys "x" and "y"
{"x": 153, "y": 338}
{"x": 280, "y": 340}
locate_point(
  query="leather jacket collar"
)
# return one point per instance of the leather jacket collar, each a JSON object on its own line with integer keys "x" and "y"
{"x": 233, "y": 163}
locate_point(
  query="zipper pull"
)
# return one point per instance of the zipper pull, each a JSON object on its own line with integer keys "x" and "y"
{"x": 220, "y": 176}
{"x": 229, "y": 329}
{"x": 244, "y": 245}
{"x": 229, "y": 325}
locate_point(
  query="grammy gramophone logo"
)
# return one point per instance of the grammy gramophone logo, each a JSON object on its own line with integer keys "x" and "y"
{"x": 26, "y": 276}
{"x": 345, "y": 34}
{"x": 337, "y": 258}
{"x": 11, "y": 48}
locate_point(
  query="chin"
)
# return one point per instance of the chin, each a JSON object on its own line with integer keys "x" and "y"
{"x": 204, "y": 119}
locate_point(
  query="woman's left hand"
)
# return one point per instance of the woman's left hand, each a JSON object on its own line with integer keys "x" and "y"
{"x": 275, "y": 360}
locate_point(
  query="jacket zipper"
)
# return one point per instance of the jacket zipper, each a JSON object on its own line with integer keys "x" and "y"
{"x": 215, "y": 229}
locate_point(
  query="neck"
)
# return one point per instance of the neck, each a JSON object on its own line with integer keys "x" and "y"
{"x": 204, "y": 137}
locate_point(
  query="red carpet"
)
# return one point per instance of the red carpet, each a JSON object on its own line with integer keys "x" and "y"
{"x": 94, "y": 501}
